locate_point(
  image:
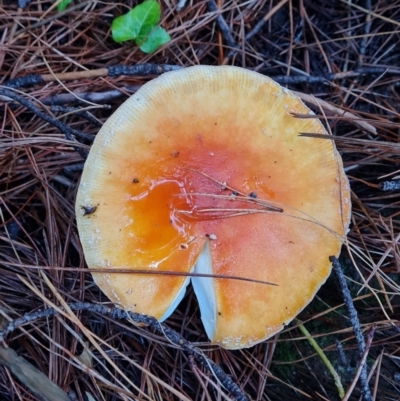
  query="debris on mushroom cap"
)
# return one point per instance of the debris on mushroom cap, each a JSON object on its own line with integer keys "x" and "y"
{"x": 223, "y": 185}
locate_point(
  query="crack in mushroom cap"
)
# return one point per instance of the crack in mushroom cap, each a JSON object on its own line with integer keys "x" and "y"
{"x": 193, "y": 164}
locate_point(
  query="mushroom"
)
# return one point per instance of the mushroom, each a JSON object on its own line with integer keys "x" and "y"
{"x": 203, "y": 172}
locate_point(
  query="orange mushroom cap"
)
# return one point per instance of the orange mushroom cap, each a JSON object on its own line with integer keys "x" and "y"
{"x": 203, "y": 171}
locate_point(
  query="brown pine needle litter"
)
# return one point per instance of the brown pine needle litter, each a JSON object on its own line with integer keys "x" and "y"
{"x": 62, "y": 76}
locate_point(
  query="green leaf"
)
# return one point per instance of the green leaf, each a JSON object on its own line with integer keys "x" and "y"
{"x": 138, "y": 23}
{"x": 158, "y": 36}
{"x": 62, "y": 5}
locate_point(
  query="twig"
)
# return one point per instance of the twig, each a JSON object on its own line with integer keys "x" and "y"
{"x": 222, "y": 25}
{"x": 300, "y": 79}
{"x": 73, "y": 110}
{"x": 31, "y": 377}
{"x": 261, "y": 23}
{"x": 23, "y": 3}
{"x": 389, "y": 185}
{"x": 94, "y": 97}
{"x": 116, "y": 313}
{"x": 141, "y": 69}
{"x": 24, "y": 81}
{"x": 73, "y": 167}
{"x": 336, "y": 111}
{"x": 362, "y": 364}
{"x": 157, "y": 69}
{"x": 63, "y": 128}
{"x": 343, "y": 359}
{"x": 195, "y": 370}
{"x": 258, "y": 26}
{"x": 112, "y": 71}
{"x": 365, "y": 390}
{"x": 180, "y": 5}
{"x": 141, "y": 271}
{"x": 373, "y": 14}
{"x": 324, "y": 358}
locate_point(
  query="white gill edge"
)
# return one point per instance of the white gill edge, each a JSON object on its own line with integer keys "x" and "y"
{"x": 173, "y": 305}
{"x": 204, "y": 290}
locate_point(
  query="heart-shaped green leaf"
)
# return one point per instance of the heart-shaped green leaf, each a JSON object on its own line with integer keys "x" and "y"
{"x": 62, "y": 5}
{"x": 158, "y": 36}
{"x": 138, "y": 23}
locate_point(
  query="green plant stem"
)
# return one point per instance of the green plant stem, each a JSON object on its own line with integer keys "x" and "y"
{"x": 325, "y": 360}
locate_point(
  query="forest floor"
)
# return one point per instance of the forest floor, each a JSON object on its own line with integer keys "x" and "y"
{"x": 58, "y": 85}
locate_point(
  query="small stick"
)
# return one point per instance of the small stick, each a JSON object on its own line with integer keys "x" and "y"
{"x": 74, "y": 167}
{"x": 261, "y": 23}
{"x": 222, "y": 25}
{"x": 389, "y": 185}
{"x": 221, "y": 213}
{"x": 141, "y": 69}
{"x": 324, "y": 358}
{"x": 67, "y": 131}
{"x": 104, "y": 270}
{"x": 23, "y": 3}
{"x": 242, "y": 196}
{"x": 365, "y": 390}
{"x": 316, "y": 102}
{"x": 94, "y": 97}
{"x": 310, "y": 79}
{"x": 342, "y": 356}
{"x": 362, "y": 364}
{"x": 258, "y": 26}
{"x": 117, "y": 313}
{"x": 157, "y": 69}
{"x": 195, "y": 370}
{"x": 82, "y": 113}
{"x": 112, "y": 71}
